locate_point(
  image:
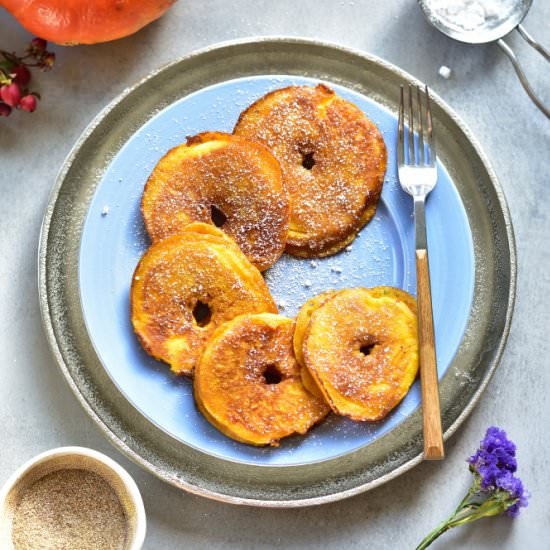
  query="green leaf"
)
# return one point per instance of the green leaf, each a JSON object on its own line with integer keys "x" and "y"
{"x": 7, "y": 65}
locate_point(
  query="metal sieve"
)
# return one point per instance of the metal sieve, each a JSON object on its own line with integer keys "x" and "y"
{"x": 493, "y": 30}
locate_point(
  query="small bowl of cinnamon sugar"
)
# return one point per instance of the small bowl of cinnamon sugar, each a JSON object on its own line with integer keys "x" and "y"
{"x": 71, "y": 498}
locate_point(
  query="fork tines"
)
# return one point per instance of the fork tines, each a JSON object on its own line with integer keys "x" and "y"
{"x": 417, "y": 154}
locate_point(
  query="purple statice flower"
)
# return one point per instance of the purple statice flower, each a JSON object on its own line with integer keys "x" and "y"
{"x": 513, "y": 486}
{"x": 495, "y": 457}
{"x": 495, "y": 488}
{"x": 493, "y": 466}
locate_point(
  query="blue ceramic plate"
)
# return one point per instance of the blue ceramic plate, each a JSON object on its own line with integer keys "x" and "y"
{"x": 114, "y": 239}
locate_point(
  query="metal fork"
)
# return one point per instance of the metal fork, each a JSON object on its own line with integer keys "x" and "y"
{"x": 418, "y": 175}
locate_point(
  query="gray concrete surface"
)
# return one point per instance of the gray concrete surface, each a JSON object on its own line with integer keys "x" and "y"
{"x": 37, "y": 410}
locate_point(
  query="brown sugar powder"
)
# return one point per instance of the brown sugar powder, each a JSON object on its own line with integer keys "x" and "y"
{"x": 69, "y": 510}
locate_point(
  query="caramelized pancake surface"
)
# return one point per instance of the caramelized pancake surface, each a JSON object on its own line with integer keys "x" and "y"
{"x": 247, "y": 382}
{"x": 184, "y": 287}
{"x": 333, "y": 160}
{"x": 225, "y": 181}
{"x": 361, "y": 349}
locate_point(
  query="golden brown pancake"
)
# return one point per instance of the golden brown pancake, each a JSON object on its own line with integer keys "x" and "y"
{"x": 361, "y": 349}
{"x": 333, "y": 161}
{"x": 247, "y": 382}
{"x": 226, "y": 181}
{"x": 187, "y": 285}
{"x": 306, "y": 311}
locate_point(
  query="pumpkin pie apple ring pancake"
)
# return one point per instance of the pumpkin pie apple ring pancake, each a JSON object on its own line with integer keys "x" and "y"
{"x": 361, "y": 349}
{"x": 187, "y": 285}
{"x": 304, "y": 316}
{"x": 247, "y": 382}
{"x": 333, "y": 161}
{"x": 226, "y": 181}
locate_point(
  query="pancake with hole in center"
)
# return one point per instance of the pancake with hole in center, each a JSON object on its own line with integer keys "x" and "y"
{"x": 187, "y": 285}
{"x": 361, "y": 349}
{"x": 308, "y": 308}
{"x": 226, "y": 181}
{"x": 333, "y": 161}
{"x": 248, "y": 384}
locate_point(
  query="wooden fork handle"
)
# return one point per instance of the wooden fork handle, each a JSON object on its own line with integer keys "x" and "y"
{"x": 433, "y": 438}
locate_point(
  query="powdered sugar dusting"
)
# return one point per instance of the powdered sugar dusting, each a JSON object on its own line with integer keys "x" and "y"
{"x": 223, "y": 180}
{"x": 332, "y": 157}
{"x": 382, "y": 254}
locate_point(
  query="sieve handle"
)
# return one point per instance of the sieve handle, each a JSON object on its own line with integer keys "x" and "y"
{"x": 519, "y": 71}
{"x": 532, "y": 42}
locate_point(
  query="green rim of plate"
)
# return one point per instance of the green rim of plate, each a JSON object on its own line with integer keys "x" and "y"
{"x": 368, "y": 467}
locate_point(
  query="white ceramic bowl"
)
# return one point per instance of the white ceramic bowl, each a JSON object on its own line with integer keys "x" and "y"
{"x": 83, "y": 459}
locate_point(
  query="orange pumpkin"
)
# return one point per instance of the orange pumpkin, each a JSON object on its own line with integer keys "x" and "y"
{"x": 85, "y": 21}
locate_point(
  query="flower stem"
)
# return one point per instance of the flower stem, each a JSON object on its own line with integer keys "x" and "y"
{"x": 466, "y": 512}
{"x": 463, "y": 501}
{"x": 463, "y": 514}
{"x": 436, "y": 533}
{"x": 445, "y": 525}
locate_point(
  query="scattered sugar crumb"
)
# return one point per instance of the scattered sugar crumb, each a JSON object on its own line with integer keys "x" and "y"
{"x": 105, "y": 211}
{"x": 313, "y": 264}
{"x": 445, "y": 72}
{"x": 349, "y": 248}
{"x": 307, "y": 283}
{"x": 336, "y": 269}
{"x": 282, "y": 304}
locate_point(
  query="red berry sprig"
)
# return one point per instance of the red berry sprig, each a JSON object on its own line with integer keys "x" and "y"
{"x": 15, "y": 76}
